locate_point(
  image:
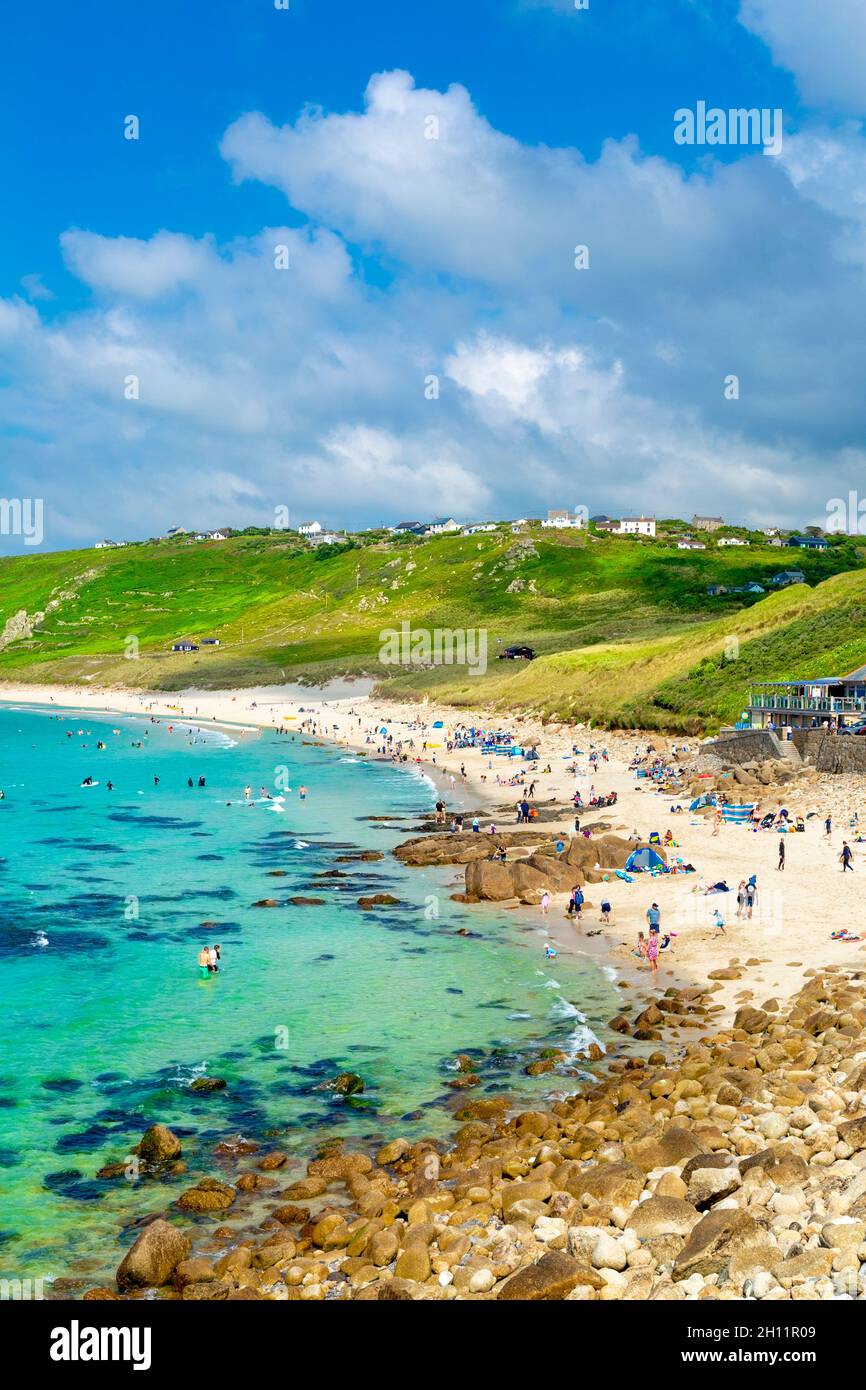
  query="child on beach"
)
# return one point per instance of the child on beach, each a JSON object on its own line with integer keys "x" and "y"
{"x": 719, "y": 922}
{"x": 641, "y": 946}
{"x": 575, "y": 903}
{"x": 652, "y": 953}
{"x": 605, "y": 911}
{"x": 545, "y": 902}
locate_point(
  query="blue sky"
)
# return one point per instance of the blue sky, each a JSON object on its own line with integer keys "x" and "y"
{"x": 413, "y": 257}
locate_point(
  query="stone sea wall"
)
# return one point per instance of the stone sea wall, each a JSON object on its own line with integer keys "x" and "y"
{"x": 832, "y": 752}
{"x": 754, "y": 745}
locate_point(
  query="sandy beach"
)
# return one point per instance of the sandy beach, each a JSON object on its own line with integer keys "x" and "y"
{"x": 664, "y": 1178}
{"x": 795, "y": 912}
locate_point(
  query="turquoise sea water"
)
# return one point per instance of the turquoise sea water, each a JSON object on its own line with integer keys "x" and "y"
{"x": 105, "y": 1023}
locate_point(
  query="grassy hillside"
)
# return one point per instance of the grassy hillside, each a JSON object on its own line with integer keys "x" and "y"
{"x": 626, "y": 629}
{"x": 697, "y": 678}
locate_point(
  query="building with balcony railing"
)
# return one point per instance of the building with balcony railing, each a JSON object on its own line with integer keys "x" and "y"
{"x": 809, "y": 704}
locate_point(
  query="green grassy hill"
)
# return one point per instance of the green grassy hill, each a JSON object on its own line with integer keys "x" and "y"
{"x": 626, "y": 631}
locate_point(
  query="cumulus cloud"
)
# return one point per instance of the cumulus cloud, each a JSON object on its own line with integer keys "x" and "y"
{"x": 132, "y": 268}
{"x": 823, "y": 44}
{"x": 277, "y": 370}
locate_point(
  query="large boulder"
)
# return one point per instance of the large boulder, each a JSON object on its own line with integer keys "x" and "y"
{"x": 781, "y": 1164}
{"x": 348, "y": 1083}
{"x": 209, "y": 1195}
{"x": 710, "y": 1185}
{"x": 526, "y": 878}
{"x": 158, "y": 1145}
{"x": 853, "y": 1133}
{"x": 662, "y": 1216}
{"x": 462, "y": 848}
{"x": 550, "y": 1278}
{"x": 714, "y": 1241}
{"x": 152, "y": 1260}
{"x": 556, "y": 870}
{"x": 676, "y": 1145}
{"x": 617, "y": 1183}
{"x": 490, "y": 881}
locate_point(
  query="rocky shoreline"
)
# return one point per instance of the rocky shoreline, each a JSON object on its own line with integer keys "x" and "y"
{"x": 730, "y": 1163}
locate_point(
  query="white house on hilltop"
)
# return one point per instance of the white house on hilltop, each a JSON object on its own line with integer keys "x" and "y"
{"x": 636, "y": 526}
{"x": 732, "y": 540}
{"x": 310, "y": 528}
{"x": 560, "y": 518}
{"x": 442, "y": 526}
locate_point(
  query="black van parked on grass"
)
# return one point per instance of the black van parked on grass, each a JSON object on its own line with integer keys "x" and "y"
{"x": 517, "y": 654}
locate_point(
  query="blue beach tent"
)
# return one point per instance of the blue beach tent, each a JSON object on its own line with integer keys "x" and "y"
{"x": 644, "y": 860}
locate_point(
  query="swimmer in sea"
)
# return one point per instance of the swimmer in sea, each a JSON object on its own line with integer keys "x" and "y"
{"x": 302, "y": 793}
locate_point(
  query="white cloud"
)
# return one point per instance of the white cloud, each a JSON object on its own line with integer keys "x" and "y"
{"x": 132, "y": 268}
{"x": 823, "y": 42}
{"x": 304, "y": 387}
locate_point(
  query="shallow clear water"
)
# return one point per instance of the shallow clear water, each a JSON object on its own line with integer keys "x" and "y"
{"x": 102, "y": 899}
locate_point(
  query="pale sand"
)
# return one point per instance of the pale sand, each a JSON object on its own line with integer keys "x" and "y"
{"x": 796, "y": 910}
